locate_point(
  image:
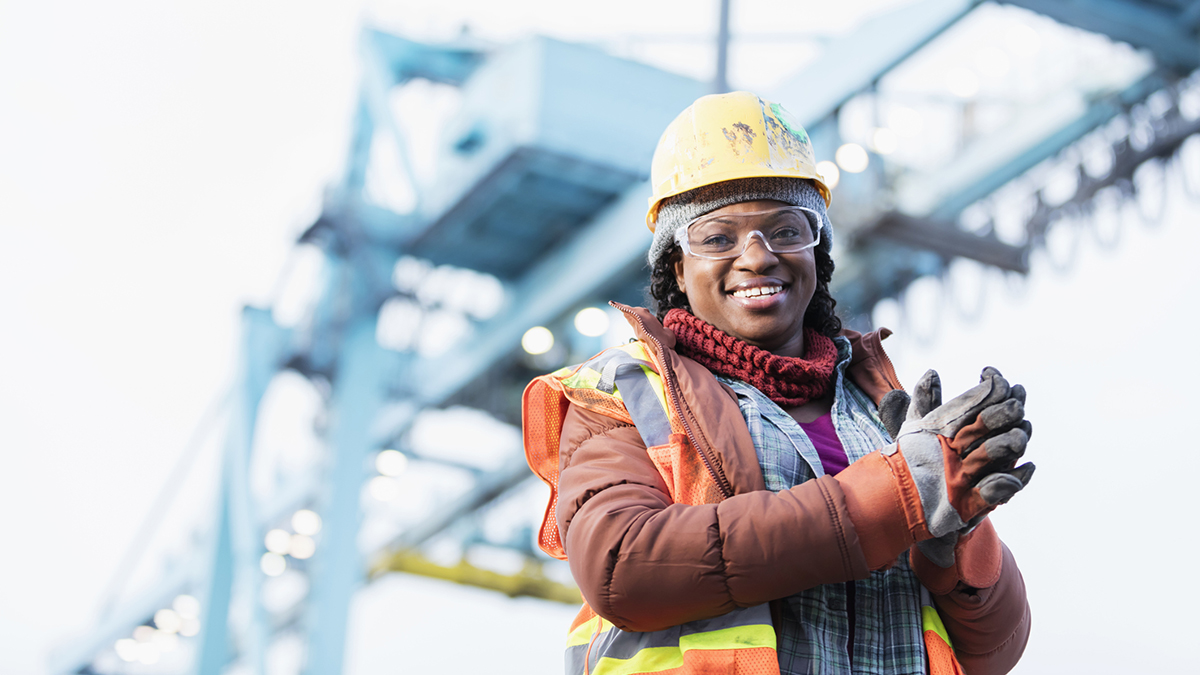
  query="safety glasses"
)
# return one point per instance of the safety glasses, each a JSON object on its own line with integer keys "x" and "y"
{"x": 790, "y": 229}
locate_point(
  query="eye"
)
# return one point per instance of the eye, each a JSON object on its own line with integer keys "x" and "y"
{"x": 717, "y": 240}
{"x": 786, "y": 232}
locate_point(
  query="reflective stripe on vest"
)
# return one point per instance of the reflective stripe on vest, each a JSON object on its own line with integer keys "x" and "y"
{"x": 596, "y": 647}
{"x": 938, "y": 648}
{"x": 626, "y": 374}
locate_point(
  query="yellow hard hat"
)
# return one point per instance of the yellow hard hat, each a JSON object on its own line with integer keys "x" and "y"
{"x": 726, "y": 137}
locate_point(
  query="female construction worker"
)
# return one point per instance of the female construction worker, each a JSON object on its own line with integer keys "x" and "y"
{"x": 746, "y": 488}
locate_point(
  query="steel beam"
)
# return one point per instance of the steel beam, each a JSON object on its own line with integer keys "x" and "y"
{"x": 854, "y": 62}
{"x": 236, "y": 544}
{"x": 338, "y": 567}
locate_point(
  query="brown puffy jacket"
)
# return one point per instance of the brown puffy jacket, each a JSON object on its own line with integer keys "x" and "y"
{"x": 646, "y": 563}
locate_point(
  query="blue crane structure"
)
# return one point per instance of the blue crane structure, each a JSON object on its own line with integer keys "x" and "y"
{"x": 541, "y": 184}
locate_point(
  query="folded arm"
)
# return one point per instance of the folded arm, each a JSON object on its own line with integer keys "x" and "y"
{"x": 646, "y": 563}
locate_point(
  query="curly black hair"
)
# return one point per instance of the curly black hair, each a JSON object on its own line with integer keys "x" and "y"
{"x": 665, "y": 294}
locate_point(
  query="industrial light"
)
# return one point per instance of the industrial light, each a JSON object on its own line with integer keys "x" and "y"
{"x": 127, "y": 649}
{"x": 186, "y": 606}
{"x": 391, "y": 462}
{"x": 591, "y": 321}
{"x": 905, "y": 121}
{"x": 962, "y": 82}
{"x": 190, "y": 627}
{"x": 148, "y": 653}
{"x": 168, "y": 620}
{"x": 165, "y": 642}
{"x": 143, "y": 633}
{"x": 852, "y": 158}
{"x": 537, "y": 340}
{"x": 303, "y": 547}
{"x": 384, "y": 488}
{"x": 884, "y": 141}
{"x": 829, "y": 172}
{"x": 306, "y": 522}
{"x": 272, "y": 564}
{"x": 277, "y": 541}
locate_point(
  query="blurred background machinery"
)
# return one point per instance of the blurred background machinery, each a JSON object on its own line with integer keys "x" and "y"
{"x": 493, "y": 201}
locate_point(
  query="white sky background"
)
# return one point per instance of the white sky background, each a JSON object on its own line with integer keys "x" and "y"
{"x": 156, "y": 163}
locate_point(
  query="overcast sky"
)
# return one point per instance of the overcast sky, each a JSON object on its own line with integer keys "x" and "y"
{"x": 157, "y": 161}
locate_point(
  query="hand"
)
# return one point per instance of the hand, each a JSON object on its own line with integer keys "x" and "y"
{"x": 962, "y": 454}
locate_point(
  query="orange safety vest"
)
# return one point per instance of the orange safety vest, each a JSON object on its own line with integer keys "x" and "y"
{"x": 624, "y": 383}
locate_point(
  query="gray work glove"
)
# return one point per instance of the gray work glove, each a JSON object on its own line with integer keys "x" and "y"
{"x": 961, "y": 454}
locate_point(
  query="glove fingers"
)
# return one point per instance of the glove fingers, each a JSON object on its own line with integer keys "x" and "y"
{"x": 996, "y": 454}
{"x": 892, "y": 410}
{"x": 963, "y": 409}
{"x": 927, "y": 395}
{"x": 1018, "y": 392}
{"x": 1023, "y": 473}
{"x": 999, "y": 487}
{"x": 994, "y": 420}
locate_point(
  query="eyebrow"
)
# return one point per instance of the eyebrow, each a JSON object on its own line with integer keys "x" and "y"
{"x": 769, "y": 217}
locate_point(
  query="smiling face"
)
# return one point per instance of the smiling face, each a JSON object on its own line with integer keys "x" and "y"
{"x": 759, "y": 297}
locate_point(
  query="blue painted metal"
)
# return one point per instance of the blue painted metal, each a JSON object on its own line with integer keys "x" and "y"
{"x": 1097, "y": 113}
{"x": 213, "y": 651}
{"x": 237, "y": 542}
{"x": 548, "y": 135}
{"x": 855, "y": 61}
{"x": 338, "y": 568}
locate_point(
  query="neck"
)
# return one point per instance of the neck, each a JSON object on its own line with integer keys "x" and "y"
{"x": 793, "y": 348}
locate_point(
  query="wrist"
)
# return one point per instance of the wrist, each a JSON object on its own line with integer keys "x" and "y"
{"x": 977, "y": 562}
{"x": 884, "y": 506}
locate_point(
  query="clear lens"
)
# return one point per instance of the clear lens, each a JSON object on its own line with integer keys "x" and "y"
{"x": 786, "y": 230}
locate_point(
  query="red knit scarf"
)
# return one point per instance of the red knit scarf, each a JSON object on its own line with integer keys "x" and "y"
{"x": 786, "y": 380}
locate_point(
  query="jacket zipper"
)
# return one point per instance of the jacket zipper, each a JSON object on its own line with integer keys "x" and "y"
{"x": 891, "y": 369}
{"x": 669, "y": 378}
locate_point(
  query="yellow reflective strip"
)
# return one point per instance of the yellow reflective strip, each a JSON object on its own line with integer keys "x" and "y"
{"x": 930, "y": 620}
{"x": 635, "y": 349}
{"x": 649, "y": 660}
{"x": 584, "y": 378}
{"x": 735, "y": 637}
{"x": 583, "y": 632}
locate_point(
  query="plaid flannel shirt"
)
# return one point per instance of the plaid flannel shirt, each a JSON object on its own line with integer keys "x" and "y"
{"x": 815, "y": 631}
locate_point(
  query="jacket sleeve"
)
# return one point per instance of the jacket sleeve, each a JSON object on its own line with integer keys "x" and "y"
{"x": 646, "y": 563}
{"x": 981, "y": 601}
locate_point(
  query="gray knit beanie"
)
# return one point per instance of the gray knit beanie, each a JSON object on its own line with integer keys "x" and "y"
{"x": 683, "y": 208}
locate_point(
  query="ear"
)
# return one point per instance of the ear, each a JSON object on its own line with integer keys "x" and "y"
{"x": 678, "y": 265}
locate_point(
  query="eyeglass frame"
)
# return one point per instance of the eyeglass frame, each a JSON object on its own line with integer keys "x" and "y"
{"x": 681, "y": 233}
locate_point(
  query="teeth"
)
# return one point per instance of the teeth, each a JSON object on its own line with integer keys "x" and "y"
{"x": 758, "y": 291}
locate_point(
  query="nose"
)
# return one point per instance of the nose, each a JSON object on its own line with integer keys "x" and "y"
{"x": 755, "y": 254}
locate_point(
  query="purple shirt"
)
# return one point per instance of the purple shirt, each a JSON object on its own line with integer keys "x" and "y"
{"x": 829, "y": 447}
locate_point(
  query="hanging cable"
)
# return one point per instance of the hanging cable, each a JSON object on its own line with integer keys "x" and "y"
{"x": 162, "y": 502}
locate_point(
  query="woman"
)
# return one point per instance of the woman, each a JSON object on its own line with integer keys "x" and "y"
{"x": 726, "y": 492}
